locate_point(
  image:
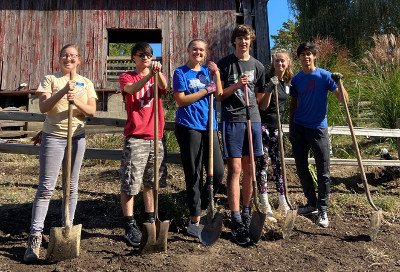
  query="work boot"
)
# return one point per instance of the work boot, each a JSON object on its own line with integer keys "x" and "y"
{"x": 32, "y": 252}
{"x": 283, "y": 206}
{"x": 133, "y": 235}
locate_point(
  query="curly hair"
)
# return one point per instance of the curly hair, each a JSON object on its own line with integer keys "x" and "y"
{"x": 242, "y": 30}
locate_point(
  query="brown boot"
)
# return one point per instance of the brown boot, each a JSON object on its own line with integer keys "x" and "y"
{"x": 32, "y": 252}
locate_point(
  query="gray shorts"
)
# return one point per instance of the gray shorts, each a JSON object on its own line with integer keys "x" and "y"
{"x": 137, "y": 165}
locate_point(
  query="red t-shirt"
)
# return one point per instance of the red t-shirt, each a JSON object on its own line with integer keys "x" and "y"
{"x": 140, "y": 109}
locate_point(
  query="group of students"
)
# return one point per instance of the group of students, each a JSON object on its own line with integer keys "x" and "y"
{"x": 192, "y": 85}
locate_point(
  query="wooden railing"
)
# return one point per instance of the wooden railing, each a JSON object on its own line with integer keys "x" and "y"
{"x": 118, "y": 65}
{"x": 115, "y": 154}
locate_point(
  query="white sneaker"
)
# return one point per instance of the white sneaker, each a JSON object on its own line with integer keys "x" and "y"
{"x": 322, "y": 219}
{"x": 193, "y": 229}
{"x": 283, "y": 206}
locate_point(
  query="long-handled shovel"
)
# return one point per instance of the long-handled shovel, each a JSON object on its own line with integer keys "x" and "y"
{"x": 212, "y": 221}
{"x": 257, "y": 217}
{"x": 155, "y": 235}
{"x": 64, "y": 242}
{"x": 292, "y": 213}
{"x": 376, "y": 216}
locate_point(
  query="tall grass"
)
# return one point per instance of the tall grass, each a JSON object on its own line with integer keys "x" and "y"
{"x": 382, "y": 74}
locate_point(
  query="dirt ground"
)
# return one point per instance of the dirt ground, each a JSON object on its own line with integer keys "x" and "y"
{"x": 344, "y": 246}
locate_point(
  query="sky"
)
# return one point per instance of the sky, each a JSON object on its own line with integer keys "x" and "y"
{"x": 278, "y": 13}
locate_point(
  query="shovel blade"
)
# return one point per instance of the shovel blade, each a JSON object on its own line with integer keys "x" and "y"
{"x": 212, "y": 228}
{"x": 289, "y": 223}
{"x": 376, "y": 220}
{"x": 64, "y": 243}
{"x": 256, "y": 225}
{"x": 154, "y": 237}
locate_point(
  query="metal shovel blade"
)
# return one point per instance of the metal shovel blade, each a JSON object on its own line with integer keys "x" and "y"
{"x": 374, "y": 225}
{"x": 289, "y": 223}
{"x": 256, "y": 225}
{"x": 154, "y": 237}
{"x": 64, "y": 243}
{"x": 212, "y": 228}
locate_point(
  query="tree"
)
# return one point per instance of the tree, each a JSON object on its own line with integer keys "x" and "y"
{"x": 350, "y": 22}
{"x": 120, "y": 49}
{"x": 287, "y": 37}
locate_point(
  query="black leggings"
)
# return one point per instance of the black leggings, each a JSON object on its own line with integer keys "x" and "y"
{"x": 194, "y": 153}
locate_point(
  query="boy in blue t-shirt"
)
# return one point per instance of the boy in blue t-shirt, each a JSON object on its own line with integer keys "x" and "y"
{"x": 309, "y": 128}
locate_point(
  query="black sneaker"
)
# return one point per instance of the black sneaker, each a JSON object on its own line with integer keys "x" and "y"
{"x": 133, "y": 235}
{"x": 240, "y": 233}
{"x": 246, "y": 219}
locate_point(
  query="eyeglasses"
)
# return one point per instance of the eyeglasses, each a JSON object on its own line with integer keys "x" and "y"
{"x": 66, "y": 56}
{"x": 144, "y": 55}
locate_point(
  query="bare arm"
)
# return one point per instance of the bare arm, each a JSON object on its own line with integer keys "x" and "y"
{"x": 88, "y": 109}
{"x": 184, "y": 100}
{"x": 336, "y": 92}
{"x": 243, "y": 80}
{"x": 292, "y": 109}
{"x": 266, "y": 99}
{"x": 218, "y": 83}
{"x": 132, "y": 88}
{"x": 47, "y": 101}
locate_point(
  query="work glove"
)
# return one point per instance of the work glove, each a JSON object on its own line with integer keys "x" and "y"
{"x": 210, "y": 88}
{"x": 275, "y": 80}
{"x": 336, "y": 77}
{"x": 212, "y": 67}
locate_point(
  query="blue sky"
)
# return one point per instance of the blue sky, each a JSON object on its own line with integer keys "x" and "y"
{"x": 278, "y": 13}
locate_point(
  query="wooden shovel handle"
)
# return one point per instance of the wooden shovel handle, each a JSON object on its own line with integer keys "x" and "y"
{"x": 281, "y": 149}
{"x": 155, "y": 107}
{"x": 356, "y": 149}
{"x": 67, "y": 181}
{"x": 211, "y": 134}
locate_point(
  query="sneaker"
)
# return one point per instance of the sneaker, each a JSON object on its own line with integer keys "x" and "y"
{"x": 322, "y": 219}
{"x": 240, "y": 233}
{"x": 193, "y": 229}
{"x": 133, "y": 235}
{"x": 32, "y": 252}
{"x": 246, "y": 219}
{"x": 307, "y": 209}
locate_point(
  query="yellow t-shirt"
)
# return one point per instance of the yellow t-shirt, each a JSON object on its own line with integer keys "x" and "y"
{"x": 56, "y": 122}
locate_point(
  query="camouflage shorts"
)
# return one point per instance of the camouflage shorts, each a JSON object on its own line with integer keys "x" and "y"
{"x": 137, "y": 165}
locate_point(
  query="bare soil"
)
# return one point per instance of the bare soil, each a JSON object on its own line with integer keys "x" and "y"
{"x": 344, "y": 246}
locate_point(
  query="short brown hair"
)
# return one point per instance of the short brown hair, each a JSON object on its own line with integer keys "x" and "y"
{"x": 242, "y": 30}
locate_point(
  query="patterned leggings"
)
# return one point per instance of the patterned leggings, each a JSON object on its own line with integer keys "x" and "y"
{"x": 271, "y": 157}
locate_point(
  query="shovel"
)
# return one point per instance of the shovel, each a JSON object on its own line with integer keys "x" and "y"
{"x": 376, "y": 216}
{"x": 257, "y": 217}
{"x": 155, "y": 235}
{"x": 292, "y": 213}
{"x": 64, "y": 242}
{"x": 212, "y": 221}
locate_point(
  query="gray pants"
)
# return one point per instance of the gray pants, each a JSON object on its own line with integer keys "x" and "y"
{"x": 303, "y": 139}
{"x": 52, "y": 155}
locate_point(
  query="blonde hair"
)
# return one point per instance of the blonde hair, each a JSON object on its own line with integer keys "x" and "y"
{"x": 199, "y": 40}
{"x": 288, "y": 74}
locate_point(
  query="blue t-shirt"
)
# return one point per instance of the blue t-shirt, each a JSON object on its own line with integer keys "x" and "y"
{"x": 195, "y": 115}
{"x": 311, "y": 91}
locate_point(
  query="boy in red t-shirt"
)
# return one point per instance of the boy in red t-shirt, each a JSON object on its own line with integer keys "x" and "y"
{"x": 138, "y": 153}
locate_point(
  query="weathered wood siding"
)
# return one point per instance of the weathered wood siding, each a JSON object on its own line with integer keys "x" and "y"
{"x": 32, "y": 33}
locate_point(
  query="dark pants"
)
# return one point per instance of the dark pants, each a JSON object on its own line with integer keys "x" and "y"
{"x": 303, "y": 139}
{"x": 194, "y": 153}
